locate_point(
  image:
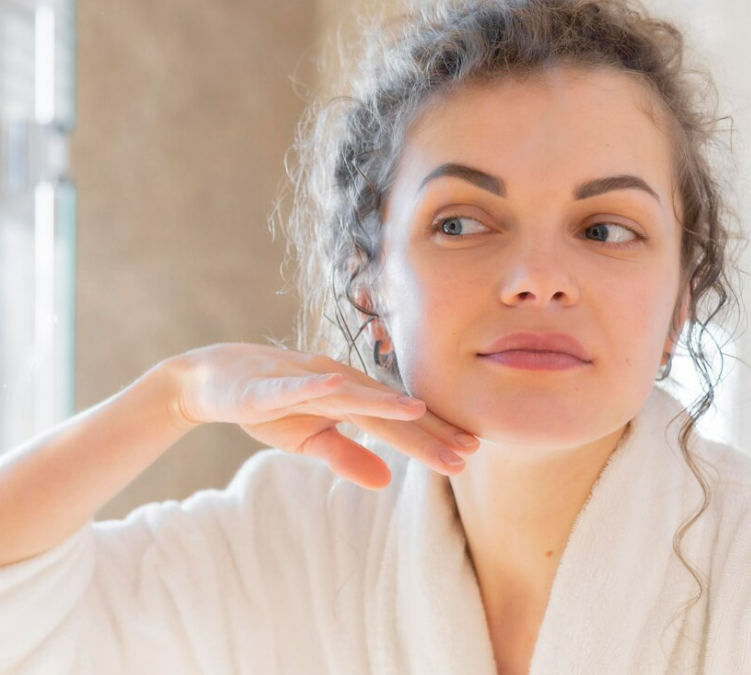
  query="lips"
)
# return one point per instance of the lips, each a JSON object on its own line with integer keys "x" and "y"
{"x": 562, "y": 343}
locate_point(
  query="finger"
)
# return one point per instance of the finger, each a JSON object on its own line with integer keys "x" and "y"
{"x": 270, "y": 393}
{"x": 348, "y": 459}
{"x": 325, "y": 364}
{"x": 327, "y": 394}
{"x": 455, "y": 437}
{"x": 412, "y": 440}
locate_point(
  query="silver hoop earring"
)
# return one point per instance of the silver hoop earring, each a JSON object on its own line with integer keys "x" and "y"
{"x": 666, "y": 368}
{"x": 382, "y": 360}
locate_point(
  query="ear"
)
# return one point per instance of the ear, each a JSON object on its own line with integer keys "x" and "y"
{"x": 375, "y": 328}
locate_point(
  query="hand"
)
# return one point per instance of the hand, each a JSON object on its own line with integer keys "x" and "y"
{"x": 278, "y": 397}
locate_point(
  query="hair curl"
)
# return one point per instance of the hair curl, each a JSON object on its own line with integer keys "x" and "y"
{"x": 349, "y": 149}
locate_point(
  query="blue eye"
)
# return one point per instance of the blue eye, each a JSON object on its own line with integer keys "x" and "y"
{"x": 599, "y": 227}
{"x": 453, "y": 221}
{"x": 439, "y": 225}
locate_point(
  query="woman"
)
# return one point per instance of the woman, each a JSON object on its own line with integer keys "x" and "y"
{"x": 519, "y": 207}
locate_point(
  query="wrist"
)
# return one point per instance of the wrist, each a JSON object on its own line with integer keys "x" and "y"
{"x": 175, "y": 372}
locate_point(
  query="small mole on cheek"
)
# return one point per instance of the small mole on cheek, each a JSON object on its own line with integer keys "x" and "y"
{"x": 548, "y": 553}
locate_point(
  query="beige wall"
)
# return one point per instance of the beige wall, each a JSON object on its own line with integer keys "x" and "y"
{"x": 185, "y": 111}
{"x": 340, "y": 18}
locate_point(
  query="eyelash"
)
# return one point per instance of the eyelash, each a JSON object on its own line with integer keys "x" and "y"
{"x": 436, "y": 226}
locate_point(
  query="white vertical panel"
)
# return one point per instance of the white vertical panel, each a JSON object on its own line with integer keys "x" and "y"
{"x": 717, "y": 34}
{"x": 44, "y": 63}
{"x": 37, "y": 217}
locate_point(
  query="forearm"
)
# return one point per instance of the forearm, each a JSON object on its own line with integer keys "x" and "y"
{"x": 53, "y": 484}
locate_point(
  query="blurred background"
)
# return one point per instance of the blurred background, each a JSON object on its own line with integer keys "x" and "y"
{"x": 142, "y": 153}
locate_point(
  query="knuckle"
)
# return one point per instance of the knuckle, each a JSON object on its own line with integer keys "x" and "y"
{"x": 258, "y": 394}
{"x": 247, "y": 396}
{"x": 278, "y": 385}
{"x": 318, "y": 361}
{"x": 428, "y": 445}
{"x": 444, "y": 430}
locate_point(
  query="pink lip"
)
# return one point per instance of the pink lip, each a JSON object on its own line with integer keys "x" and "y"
{"x": 535, "y": 360}
{"x": 528, "y": 341}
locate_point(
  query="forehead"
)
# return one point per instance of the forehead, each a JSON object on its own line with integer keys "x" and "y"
{"x": 551, "y": 130}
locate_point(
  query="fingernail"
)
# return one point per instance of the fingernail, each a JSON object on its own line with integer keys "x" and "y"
{"x": 465, "y": 439}
{"x": 406, "y": 400}
{"x": 450, "y": 458}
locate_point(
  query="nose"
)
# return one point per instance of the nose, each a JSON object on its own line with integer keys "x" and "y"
{"x": 536, "y": 273}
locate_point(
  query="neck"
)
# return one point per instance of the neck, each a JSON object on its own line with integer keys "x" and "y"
{"x": 517, "y": 514}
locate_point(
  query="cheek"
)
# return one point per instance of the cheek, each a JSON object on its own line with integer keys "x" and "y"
{"x": 425, "y": 316}
{"x": 638, "y": 319}
{"x": 448, "y": 293}
{"x": 423, "y": 295}
{"x": 449, "y": 300}
{"x": 428, "y": 307}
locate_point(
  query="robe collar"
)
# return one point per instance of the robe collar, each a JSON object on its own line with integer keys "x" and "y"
{"x": 610, "y": 598}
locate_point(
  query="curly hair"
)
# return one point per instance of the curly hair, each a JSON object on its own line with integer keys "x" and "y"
{"x": 350, "y": 146}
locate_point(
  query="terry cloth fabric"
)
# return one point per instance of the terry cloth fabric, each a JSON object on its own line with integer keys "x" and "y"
{"x": 291, "y": 570}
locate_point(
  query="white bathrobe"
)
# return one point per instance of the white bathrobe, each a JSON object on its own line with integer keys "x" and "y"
{"x": 293, "y": 571}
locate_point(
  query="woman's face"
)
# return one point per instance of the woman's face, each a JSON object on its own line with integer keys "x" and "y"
{"x": 534, "y": 255}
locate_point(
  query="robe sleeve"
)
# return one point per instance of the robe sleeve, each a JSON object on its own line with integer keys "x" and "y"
{"x": 179, "y": 587}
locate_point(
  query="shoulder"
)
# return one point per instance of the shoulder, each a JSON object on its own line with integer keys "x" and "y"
{"x": 729, "y": 471}
{"x": 729, "y": 544}
{"x": 725, "y": 468}
{"x": 726, "y": 533}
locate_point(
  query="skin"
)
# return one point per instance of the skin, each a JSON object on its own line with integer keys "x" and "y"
{"x": 530, "y": 263}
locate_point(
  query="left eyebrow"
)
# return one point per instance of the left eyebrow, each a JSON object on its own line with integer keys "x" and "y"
{"x": 496, "y": 185}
